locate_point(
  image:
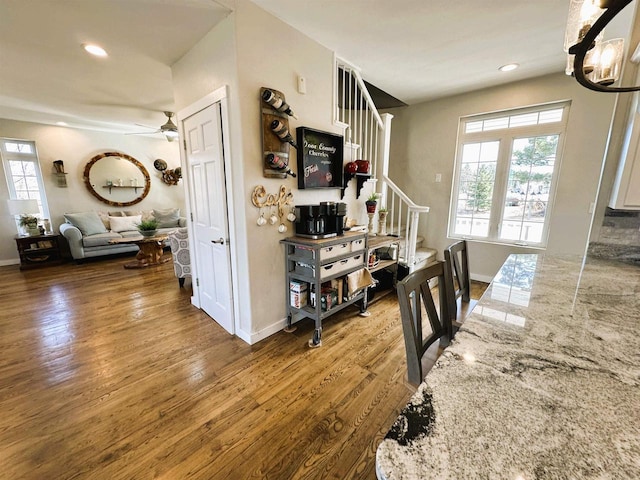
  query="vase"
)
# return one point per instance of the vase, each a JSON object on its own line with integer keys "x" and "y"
{"x": 148, "y": 233}
{"x": 382, "y": 223}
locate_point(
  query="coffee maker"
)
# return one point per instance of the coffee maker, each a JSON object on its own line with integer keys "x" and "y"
{"x": 324, "y": 220}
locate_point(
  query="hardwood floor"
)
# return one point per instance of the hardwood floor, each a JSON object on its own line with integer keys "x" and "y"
{"x": 109, "y": 373}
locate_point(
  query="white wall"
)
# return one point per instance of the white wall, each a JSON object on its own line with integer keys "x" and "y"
{"x": 249, "y": 50}
{"x": 423, "y": 143}
{"x": 76, "y": 147}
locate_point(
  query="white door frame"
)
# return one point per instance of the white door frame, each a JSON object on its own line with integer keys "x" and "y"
{"x": 220, "y": 95}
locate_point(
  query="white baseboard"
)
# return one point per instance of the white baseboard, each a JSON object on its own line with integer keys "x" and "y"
{"x": 5, "y": 263}
{"x": 481, "y": 278}
{"x": 265, "y": 332}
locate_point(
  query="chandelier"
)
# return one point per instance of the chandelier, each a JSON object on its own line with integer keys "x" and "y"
{"x": 596, "y": 64}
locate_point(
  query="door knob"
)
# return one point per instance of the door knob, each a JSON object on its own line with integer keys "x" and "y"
{"x": 219, "y": 241}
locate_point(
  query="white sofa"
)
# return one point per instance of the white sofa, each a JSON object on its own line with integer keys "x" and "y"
{"x": 89, "y": 233}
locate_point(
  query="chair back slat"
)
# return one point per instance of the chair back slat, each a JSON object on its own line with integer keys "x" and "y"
{"x": 458, "y": 282}
{"x": 414, "y": 297}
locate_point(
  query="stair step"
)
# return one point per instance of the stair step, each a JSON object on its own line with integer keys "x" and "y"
{"x": 425, "y": 254}
{"x": 403, "y": 243}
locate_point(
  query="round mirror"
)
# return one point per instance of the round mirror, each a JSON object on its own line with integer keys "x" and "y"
{"x": 117, "y": 179}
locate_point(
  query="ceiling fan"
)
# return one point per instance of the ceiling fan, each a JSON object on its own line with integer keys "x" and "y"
{"x": 169, "y": 129}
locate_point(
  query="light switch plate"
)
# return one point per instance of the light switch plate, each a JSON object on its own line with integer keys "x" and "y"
{"x": 302, "y": 84}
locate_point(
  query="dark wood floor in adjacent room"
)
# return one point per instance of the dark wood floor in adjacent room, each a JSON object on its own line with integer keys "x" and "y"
{"x": 109, "y": 373}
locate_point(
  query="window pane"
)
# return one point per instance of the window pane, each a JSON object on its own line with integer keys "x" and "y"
{"x": 475, "y": 188}
{"x": 551, "y": 116}
{"x": 20, "y": 183}
{"x": 529, "y": 184}
{"x": 524, "y": 119}
{"x": 470, "y": 152}
{"x": 463, "y": 226}
{"x": 480, "y": 227}
{"x": 16, "y": 168}
{"x": 471, "y": 127}
{"x": 32, "y": 183}
{"x": 29, "y": 168}
{"x": 14, "y": 147}
{"x": 496, "y": 123}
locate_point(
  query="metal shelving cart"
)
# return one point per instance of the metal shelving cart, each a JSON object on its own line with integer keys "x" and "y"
{"x": 318, "y": 261}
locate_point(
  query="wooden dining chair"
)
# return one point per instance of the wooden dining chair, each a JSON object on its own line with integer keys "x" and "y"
{"x": 415, "y": 299}
{"x": 458, "y": 283}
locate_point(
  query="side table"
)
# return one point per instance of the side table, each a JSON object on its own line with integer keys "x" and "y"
{"x": 38, "y": 250}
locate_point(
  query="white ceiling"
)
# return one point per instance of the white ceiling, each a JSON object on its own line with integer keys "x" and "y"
{"x": 46, "y": 77}
{"x": 413, "y": 49}
{"x": 418, "y": 50}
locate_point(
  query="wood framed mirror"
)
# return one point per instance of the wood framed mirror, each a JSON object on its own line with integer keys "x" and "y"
{"x": 117, "y": 179}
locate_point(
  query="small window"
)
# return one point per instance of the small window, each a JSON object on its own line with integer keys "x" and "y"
{"x": 22, "y": 170}
{"x": 505, "y": 175}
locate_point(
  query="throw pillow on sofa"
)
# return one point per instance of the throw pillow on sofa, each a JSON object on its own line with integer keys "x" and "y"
{"x": 124, "y": 224}
{"x": 146, "y": 214}
{"x": 167, "y": 218}
{"x": 88, "y": 223}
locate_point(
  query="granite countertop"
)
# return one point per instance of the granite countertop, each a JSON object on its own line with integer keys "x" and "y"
{"x": 541, "y": 382}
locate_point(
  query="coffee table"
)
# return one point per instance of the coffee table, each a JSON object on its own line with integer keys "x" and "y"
{"x": 150, "y": 253}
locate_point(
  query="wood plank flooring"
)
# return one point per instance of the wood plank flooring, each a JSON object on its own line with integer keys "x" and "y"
{"x": 107, "y": 373}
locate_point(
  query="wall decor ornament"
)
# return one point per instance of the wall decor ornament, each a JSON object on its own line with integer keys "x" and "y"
{"x": 320, "y": 158}
{"x": 275, "y": 204}
{"x": 170, "y": 177}
{"x": 276, "y": 137}
{"x": 58, "y": 166}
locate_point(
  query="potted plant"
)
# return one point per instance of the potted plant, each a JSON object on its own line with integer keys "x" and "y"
{"x": 30, "y": 224}
{"x": 148, "y": 228}
{"x": 372, "y": 202}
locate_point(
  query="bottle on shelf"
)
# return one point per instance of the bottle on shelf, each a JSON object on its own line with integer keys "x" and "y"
{"x": 277, "y": 102}
{"x": 281, "y": 130}
{"x": 278, "y": 163}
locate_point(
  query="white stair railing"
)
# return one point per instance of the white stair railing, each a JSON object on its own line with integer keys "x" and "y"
{"x": 355, "y": 109}
{"x": 369, "y": 132}
{"x": 403, "y": 212}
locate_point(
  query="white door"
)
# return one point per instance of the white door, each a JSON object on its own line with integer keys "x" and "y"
{"x": 204, "y": 158}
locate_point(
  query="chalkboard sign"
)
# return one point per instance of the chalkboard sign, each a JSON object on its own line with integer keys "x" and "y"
{"x": 320, "y": 158}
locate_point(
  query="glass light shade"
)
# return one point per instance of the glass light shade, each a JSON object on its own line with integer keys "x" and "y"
{"x": 590, "y": 61}
{"x": 23, "y": 207}
{"x": 609, "y": 64}
{"x": 582, "y": 14}
{"x": 568, "y": 69}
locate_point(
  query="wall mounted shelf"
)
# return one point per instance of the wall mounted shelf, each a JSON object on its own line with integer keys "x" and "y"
{"x": 123, "y": 186}
{"x": 361, "y": 178}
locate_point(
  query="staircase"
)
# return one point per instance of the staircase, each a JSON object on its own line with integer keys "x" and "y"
{"x": 368, "y": 133}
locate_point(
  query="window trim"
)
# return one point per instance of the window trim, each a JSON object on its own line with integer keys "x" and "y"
{"x": 506, "y": 137}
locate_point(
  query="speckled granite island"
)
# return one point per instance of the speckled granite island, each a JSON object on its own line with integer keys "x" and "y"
{"x": 541, "y": 382}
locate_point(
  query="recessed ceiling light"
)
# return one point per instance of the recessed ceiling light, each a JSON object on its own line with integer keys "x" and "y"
{"x": 508, "y": 67}
{"x": 62, "y": 124}
{"x": 94, "y": 50}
